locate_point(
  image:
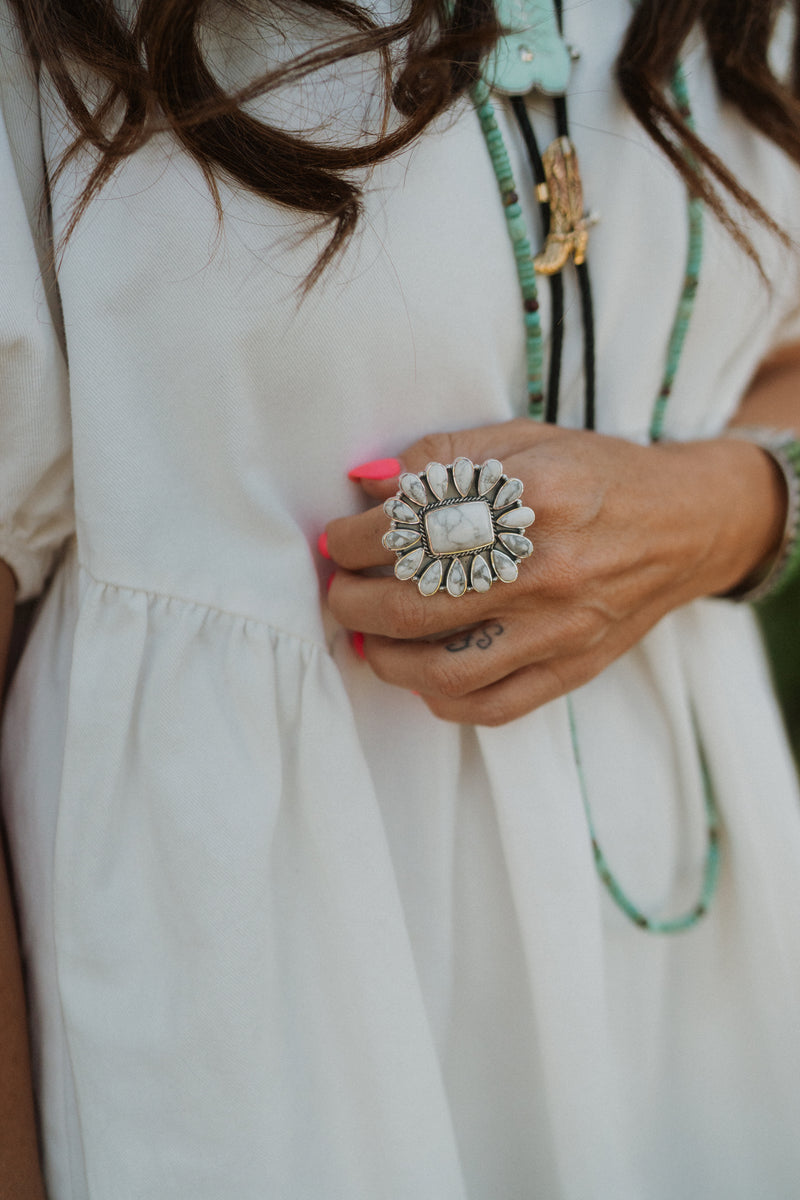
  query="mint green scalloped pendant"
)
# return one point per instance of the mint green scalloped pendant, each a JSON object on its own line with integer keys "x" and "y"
{"x": 533, "y": 54}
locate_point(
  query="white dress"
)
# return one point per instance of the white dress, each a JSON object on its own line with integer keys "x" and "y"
{"x": 288, "y": 935}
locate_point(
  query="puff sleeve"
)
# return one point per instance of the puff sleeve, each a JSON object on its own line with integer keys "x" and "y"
{"x": 36, "y": 495}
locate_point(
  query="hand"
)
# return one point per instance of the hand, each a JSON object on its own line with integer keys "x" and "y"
{"x": 623, "y": 534}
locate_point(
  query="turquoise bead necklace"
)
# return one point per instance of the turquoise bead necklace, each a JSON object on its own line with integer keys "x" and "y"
{"x": 620, "y": 897}
{"x": 523, "y": 255}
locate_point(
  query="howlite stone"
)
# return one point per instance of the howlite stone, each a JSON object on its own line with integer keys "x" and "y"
{"x": 436, "y": 475}
{"x": 463, "y": 474}
{"x": 456, "y": 578}
{"x": 455, "y": 528}
{"x": 407, "y": 566}
{"x": 480, "y": 575}
{"x": 431, "y": 578}
{"x": 509, "y": 492}
{"x": 400, "y": 539}
{"x": 517, "y": 518}
{"x": 413, "y": 487}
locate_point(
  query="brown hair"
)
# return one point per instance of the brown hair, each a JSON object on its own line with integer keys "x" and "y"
{"x": 738, "y": 33}
{"x": 154, "y": 72}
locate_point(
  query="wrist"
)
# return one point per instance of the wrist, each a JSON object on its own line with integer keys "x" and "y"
{"x": 737, "y": 509}
{"x": 774, "y": 570}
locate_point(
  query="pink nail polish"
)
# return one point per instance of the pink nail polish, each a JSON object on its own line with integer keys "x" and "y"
{"x": 379, "y": 468}
{"x": 358, "y": 644}
{"x": 322, "y": 544}
{"x": 329, "y": 581}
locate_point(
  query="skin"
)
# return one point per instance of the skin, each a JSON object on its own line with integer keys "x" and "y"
{"x": 708, "y": 515}
{"x": 20, "y": 1177}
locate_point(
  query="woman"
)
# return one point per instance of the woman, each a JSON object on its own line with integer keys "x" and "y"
{"x": 292, "y": 928}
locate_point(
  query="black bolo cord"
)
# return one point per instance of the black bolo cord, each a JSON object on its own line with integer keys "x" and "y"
{"x": 556, "y": 281}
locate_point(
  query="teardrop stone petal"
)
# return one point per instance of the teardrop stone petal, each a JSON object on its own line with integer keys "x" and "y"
{"x": 463, "y": 474}
{"x": 505, "y": 567}
{"x": 517, "y": 544}
{"x": 489, "y": 474}
{"x": 413, "y": 487}
{"x": 436, "y": 475}
{"x": 398, "y": 510}
{"x": 456, "y": 579}
{"x": 400, "y": 539}
{"x": 407, "y": 566}
{"x": 480, "y": 575}
{"x": 517, "y": 518}
{"x": 509, "y": 492}
{"x": 431, "y": 578}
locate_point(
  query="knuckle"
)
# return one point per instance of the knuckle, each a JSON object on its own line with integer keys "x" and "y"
{"x": 403, "y": 612}
{"x": 585, "y": 627}
{"x": 443, "y": 677}
{"x": 434, "y": 447}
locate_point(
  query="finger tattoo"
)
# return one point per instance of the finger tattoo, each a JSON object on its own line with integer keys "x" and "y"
{"x": 479, "y": 639}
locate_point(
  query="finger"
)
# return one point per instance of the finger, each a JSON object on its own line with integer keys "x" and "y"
{"x": 513, "y": 696}
{"x": 382, "y": 489}
{"x": 459, "y": 663}
{"x": 517, "y": 694}
{"x": 379, "y": 477}
{"x": 540, "y": 682}
{"x": 397, "y": 610}
{"x": 355, "y": 542}
{"x": 454, "y": 665}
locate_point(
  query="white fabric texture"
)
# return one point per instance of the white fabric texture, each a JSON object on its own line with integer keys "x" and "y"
{"x": 35, "y": 497}
{"x": 287, "y": 934}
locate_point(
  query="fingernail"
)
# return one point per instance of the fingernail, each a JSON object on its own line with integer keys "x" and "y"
{"x": 358, "y": 644}
{"x": 329, "y": 581}
{"x": 379, "y": 468}
{"x": 322, "y": 544}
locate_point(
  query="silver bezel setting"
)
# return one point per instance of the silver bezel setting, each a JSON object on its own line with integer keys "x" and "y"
{"x": 462, "y": 568}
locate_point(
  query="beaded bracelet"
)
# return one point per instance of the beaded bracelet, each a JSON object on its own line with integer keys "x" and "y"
{"x": 783, "y": 447}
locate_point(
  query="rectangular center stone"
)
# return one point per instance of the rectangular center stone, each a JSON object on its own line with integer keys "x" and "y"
{"x": 454, "y": 528}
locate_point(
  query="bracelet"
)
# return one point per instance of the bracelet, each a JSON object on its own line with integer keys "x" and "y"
{"x": 783, "y": 447}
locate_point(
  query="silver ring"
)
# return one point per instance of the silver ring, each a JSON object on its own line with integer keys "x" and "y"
{"x": 459, "y": 527}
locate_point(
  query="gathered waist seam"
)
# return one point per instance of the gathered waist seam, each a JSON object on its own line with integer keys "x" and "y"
{"x": 246, "y": 618}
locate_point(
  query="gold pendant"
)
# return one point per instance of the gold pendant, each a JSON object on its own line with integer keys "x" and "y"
{"x": 569, "y": 224}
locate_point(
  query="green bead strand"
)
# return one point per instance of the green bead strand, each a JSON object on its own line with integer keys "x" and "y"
{"x": 520, "y": 241}
{"x": 694, "y": 259}
{"x": 710, "y": 872}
